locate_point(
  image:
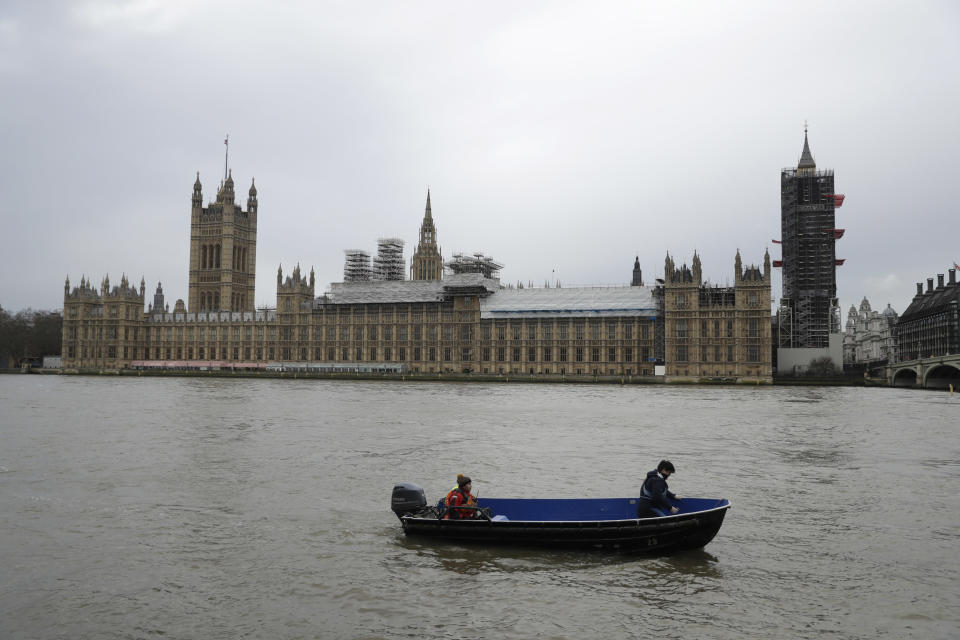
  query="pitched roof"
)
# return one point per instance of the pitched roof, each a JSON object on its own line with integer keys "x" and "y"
{"x": 928, "y": 303}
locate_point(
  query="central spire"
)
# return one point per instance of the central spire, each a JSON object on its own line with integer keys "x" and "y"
{"x": 427, "y": 263}
{"x": 806, "y": 158}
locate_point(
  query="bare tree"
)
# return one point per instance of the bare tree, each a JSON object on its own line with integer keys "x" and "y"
{"x": 822, "y": 367}
{"x": 29, "y": 334}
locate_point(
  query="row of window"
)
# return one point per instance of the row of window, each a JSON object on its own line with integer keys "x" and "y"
{"x": 111, "y": 311}
{"x": 682, "y": 353}
{"x": 682, "y": 328}
{"x": 516, "y": 331}
{"x": 708, "y": 297}
{"x": 371, "y": 332}
{"x": 360, "y": 354}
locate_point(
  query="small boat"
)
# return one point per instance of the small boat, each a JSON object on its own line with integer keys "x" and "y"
{"x": 585, "y": 523}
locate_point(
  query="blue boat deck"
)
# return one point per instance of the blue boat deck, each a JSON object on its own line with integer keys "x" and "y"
{"x": 582, "y": 509}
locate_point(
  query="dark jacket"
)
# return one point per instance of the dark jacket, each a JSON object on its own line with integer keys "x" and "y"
{"x": 654, "y": 492}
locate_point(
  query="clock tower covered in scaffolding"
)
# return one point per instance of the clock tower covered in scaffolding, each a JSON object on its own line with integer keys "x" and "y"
{"x": 809, "y": 311}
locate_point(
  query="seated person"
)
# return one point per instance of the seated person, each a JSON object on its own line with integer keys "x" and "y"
{"x": 461, "y": 496}
{"x": 654, "y": 495}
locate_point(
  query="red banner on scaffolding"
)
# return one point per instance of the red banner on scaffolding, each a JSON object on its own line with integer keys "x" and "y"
{"x": 778, "y": 241}
{"x": 778, "y": 263}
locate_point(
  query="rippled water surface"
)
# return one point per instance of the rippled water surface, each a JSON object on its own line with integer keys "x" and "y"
{"x": 218, "y": 508}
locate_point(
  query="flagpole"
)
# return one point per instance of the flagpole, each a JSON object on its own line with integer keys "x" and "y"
{"x": 226, "y": 155}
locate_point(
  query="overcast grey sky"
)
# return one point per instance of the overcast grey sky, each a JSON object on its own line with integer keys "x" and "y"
{"x": 562, "y": 138}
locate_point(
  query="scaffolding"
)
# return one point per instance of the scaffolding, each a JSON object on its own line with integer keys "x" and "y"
{"x": 356, "y": 268}
{"x": 389, "y": 263}
{"x": 785, "y": 324}
{"x": 476, "y": 263}
{"x": 809, "y": 308}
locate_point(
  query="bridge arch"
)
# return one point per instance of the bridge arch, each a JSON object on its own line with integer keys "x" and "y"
{"x": 941, "y": 376}
{"x": 905, "y": 378}
{"x": 877, "y": 370}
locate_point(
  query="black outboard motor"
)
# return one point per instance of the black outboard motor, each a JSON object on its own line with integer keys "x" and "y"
{"x": 407, "y": 499}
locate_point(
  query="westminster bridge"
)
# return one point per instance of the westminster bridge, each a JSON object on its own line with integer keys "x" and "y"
{"x": 935, "y": 372}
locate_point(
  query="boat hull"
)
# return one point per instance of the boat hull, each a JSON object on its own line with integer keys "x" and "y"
{"x": 667, "y": 534}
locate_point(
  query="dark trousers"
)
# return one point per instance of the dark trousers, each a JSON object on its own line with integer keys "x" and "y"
{"x": 646, "y": 509}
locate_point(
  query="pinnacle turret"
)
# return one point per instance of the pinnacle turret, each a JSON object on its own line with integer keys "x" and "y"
{"x": 226, "y": 193}
{"x": 637, "y": 279}
{"x": 252, "y": 197}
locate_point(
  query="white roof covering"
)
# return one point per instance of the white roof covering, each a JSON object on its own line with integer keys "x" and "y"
{"x": 569, "y": 302}
{"x": 503, "y": 303}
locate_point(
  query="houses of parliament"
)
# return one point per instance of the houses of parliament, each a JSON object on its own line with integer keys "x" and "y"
{"x": 447, "y": 317}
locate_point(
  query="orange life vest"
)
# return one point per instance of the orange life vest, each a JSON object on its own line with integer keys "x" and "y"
{"x": 456, "y": 498}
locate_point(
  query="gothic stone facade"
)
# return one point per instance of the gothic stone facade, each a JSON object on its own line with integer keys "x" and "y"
{"x": 223, "y": 250}
{"x": 461, "y": 323}
{"x": 717, "y": 332}
{"x": 465, "y": 325}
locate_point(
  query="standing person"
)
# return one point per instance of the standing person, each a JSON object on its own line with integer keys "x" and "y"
{"x": 461, "y": 496}
{"x": 654, "y": 494}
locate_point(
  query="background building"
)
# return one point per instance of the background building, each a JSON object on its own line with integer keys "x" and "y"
{"x": 869, "y": 335}
{"x": 930, "y": 326}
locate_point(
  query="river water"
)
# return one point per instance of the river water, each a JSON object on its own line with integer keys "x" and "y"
{"x": 256, "y": 508}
